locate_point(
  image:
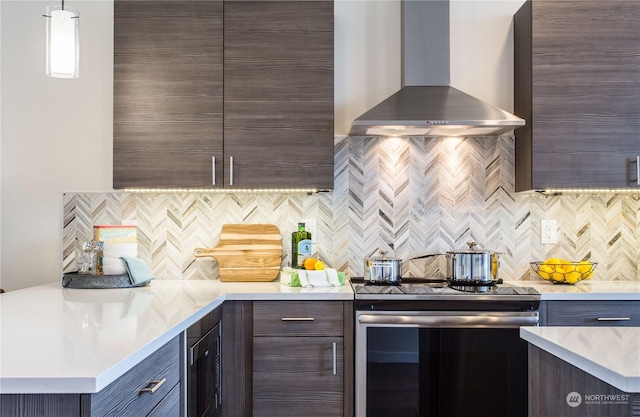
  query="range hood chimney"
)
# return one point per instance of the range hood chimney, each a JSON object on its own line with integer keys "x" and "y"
{"x": 427, "y": 105}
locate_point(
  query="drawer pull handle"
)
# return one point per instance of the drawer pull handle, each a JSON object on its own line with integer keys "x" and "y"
{"x": 213, "y": 170}
{"x": 298, "y": 319}
{"x": 153, "y": 386}
{"x": 613, "y": 318}
{"x": 335, "y": 358}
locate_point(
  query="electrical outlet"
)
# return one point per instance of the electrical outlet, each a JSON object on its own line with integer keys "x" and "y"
{"x": 548, "y": 232}
{"x": 311, "y": 225}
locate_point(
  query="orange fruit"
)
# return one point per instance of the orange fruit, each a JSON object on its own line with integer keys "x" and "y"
{"x": 310, "y": 263}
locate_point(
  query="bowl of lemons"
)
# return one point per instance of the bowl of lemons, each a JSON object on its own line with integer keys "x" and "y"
{"x": 561, "y": 271}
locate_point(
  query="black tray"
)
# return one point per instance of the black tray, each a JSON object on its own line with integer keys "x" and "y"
{"x": 75, "y": 280}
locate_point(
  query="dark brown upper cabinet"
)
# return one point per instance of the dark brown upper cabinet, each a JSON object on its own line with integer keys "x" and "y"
{"x": 278, "y": 93}
{"x": 167, "y": 98}
{"x": 577, "y": 85}
{"x": 211, "y": 94}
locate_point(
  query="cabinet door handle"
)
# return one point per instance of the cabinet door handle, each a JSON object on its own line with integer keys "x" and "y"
{"x": 153, "y": 386}
{"x": 213, "y": 170}
{"x": 335, "y": 358}
{"x": 298, "y": 319}
{"x": 613, "y": 318}
{"x": 638, "y": 170}
{"x": 231, "y": 170}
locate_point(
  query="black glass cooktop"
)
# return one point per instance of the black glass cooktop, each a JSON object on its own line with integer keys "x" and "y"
{"x": 418, "y": 287}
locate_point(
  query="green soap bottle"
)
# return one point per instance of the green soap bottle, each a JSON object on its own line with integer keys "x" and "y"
{"x": 300, "y": 246}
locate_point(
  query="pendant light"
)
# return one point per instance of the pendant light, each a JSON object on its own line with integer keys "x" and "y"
{"x": 63, "y": 42}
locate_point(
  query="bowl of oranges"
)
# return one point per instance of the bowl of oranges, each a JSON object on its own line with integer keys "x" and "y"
{"x": 561, "y": 271}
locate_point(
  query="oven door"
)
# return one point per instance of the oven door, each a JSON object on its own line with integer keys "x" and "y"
{"x": 441, "y": 364}
{"x": 203, "y": 379}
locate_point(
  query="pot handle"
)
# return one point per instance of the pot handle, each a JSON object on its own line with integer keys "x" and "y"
{"x": 423, "y": 256}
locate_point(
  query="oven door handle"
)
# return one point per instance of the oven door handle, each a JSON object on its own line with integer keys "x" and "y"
{"x": 464, "y": 320}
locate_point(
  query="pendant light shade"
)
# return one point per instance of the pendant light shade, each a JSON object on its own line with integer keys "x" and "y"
{"x": 63, "y": 42}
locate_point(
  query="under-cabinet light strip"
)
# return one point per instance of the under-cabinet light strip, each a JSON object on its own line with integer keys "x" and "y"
{"x": 224, "y": 190}
{"x": 551, "y": 191}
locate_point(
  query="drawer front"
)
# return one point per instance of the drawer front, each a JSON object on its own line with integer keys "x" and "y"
{"x": 298, "y": 318}
{"x": 593, "y": 313}
{"x": 169, "y": 406}
{"x": 298, "y": 376}
{"x": 125, "y": 396}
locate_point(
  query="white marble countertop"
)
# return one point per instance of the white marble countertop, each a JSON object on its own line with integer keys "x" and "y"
{"x": 57, "y": 340}
{"x": 611, "y": 354}
{"x": 585, "y": 290}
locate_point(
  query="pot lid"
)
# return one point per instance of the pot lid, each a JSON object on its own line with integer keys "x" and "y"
{"x": 472, "y": 249}
{"x": 382, "y": 256}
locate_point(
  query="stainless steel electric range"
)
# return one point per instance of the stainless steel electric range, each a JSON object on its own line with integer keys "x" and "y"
{"x": 433, "y": 348}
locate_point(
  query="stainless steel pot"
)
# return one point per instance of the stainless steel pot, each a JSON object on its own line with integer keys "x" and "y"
{"x": 385, "y": 270}
{"x": 472, "y": 265}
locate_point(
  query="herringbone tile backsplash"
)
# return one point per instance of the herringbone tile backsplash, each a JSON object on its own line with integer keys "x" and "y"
{"x": 407, "y": 196}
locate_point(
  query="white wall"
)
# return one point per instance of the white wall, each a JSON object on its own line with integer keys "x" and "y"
{"x": 367, "y": 57}
{"x": 56, "y": 135}
{"x": 482, "y": 49}
{"x": 0, "y": 149}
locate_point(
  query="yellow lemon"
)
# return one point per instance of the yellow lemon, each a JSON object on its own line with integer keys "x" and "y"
{"x": 584, "y": 266}
{"x": 558, "y": 275}
{"x": 319, "y": 266}
{"x": 572, "y": 277}
{"x": 310, "y": 263}
{"x": 588, "y": 275}
{"x": 552, "y": 261}
{"x": 545, "y": 271}
{"x": 568, "y": 266}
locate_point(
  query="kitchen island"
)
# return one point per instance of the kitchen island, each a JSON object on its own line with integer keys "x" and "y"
{"x": 583, "y": 359}
{"x": 583, "y": 371}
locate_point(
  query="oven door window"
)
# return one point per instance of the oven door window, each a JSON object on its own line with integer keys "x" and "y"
{"x": 439, "y": 372}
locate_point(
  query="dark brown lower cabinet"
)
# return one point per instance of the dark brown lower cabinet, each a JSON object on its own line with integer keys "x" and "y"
{"x": 620, "y": 313}
{"x": 289, "y": 358}
{"x": 298, "y": 376}
{"x": 557, "y": 388}
{"x": 299, "y": 358}
{"x": 126, "y": 396}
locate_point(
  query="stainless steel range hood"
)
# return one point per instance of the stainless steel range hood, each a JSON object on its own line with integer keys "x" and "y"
{"x": 427, "y": 105}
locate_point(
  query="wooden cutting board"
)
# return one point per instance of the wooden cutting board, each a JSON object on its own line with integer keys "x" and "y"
{"x": 247, "y": 252}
